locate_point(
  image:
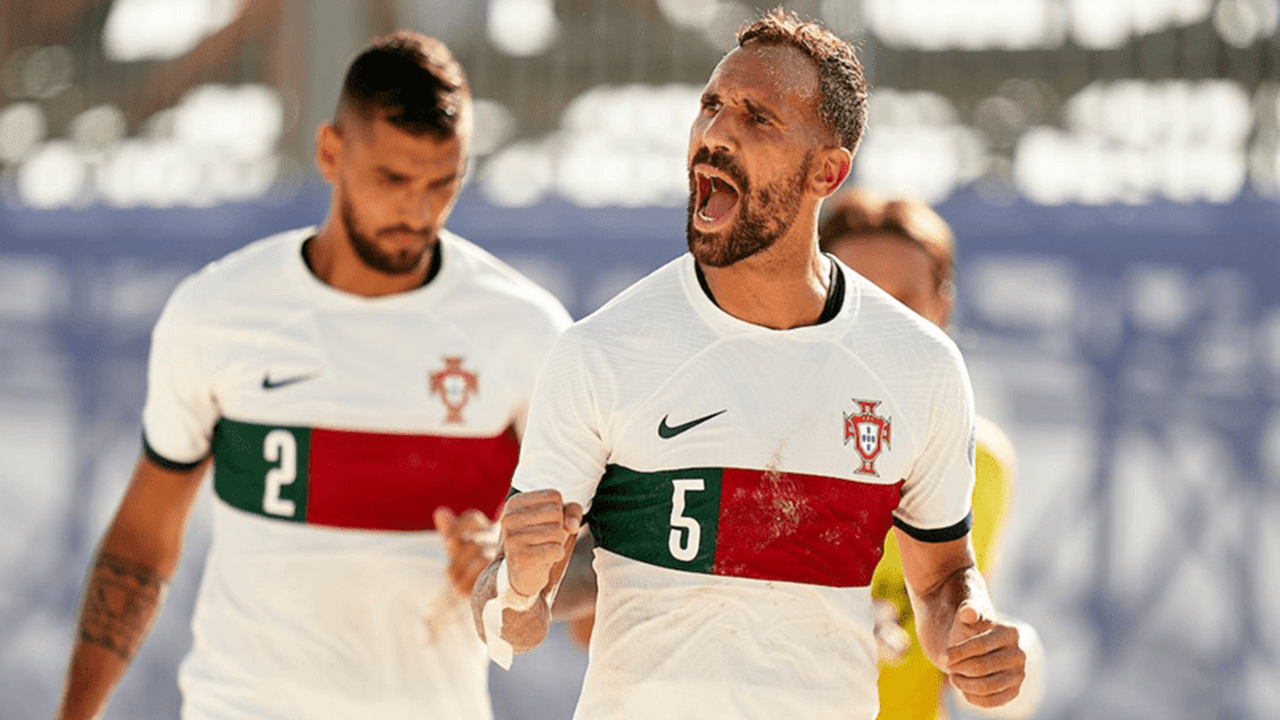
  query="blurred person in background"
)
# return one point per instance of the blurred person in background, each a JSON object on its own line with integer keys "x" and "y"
{"x": 252, "y": 35}
{"x": 908, "y": 250}
{"x": 359, "y": 391}
{"x": 742, "y": 429}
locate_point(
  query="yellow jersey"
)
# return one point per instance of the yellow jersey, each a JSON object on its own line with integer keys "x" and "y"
{"x": 911, "y": 687}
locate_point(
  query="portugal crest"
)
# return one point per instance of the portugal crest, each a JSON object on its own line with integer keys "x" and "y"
{"x": 870, "y": 433}
{"x": 455, "y": 385}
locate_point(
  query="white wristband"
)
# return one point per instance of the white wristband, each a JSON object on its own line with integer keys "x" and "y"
{"x": 500, "y": 651}
{"x": 511, "y": 598}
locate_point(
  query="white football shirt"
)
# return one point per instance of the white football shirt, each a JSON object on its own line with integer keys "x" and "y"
{"x": 740, "y": 482}
{"x": 338, "y": 424}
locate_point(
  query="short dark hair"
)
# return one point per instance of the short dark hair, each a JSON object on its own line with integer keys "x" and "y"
{"x": 840, "y": 80}
{"x": 411, "y": 81}
{"x": 853, "y": 214}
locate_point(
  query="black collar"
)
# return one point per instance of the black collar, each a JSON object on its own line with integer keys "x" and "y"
{"x": 436, "y": 260}
{"x": 433, "y": 269}
{"x": 830, "y": 309}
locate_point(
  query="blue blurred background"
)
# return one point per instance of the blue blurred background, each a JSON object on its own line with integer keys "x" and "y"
{"x": 1111, "y": 169}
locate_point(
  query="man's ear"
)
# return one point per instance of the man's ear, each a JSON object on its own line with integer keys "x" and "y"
{"x": 328, "y": 150}
{"x": 830, "y": 171}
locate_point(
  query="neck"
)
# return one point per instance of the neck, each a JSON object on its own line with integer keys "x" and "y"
{"x": 781, "y": 288}
{"x": 334, "y": 261}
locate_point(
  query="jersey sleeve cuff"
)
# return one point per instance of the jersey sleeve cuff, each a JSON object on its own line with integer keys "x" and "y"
{"x": 938, "y": 535}
{"x": 165, "y": 462}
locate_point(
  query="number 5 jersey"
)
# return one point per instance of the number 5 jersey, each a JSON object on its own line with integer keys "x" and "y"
{"x": 740, "y": 482}
{"x": 338, "y": 424}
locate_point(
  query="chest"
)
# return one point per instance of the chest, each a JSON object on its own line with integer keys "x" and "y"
{"x": 373, "y": 369}
{"x": 756, "y": 460}
{"x": 814, "y": 409}
{"x": 364, "y": 419}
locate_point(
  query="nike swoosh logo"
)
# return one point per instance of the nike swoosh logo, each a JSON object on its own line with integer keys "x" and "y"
{"x": 667, "y": 432}
{"x": 269, "y": 384}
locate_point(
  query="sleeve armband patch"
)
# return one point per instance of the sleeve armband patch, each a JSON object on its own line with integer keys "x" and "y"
{"x": 165, "y": 462}
{"x": 938, "y": 535}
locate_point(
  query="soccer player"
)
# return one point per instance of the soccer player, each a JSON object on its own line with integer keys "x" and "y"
{"x": 352, "y": 387}
{"x": 908, "y": 250}
{"x": 743, "y": 428}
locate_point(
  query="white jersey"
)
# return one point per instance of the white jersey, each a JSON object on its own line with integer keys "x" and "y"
{"x": 740, "y": 482}
{"x": 338, "y": 424}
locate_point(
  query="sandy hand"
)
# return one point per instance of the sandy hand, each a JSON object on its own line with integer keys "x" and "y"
{"x": 983, "y": 659}
{"x": 538, "y": 532}
{"x": 469, "y": 539}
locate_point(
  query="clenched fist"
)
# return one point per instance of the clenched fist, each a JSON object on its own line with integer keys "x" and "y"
{"x": 538, "y": 532}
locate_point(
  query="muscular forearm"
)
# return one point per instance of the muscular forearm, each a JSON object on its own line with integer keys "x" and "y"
{"x": 126, "y": 583}
{"x": 121, "y": 600}
{"x": 957, "y": 625}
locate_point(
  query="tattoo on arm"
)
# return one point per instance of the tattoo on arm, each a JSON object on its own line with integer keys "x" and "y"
{"x": 120, "y": 601}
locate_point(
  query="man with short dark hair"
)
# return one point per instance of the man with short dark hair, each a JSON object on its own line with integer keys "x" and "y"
{"x": 359, "y": 390}
{"x": 743, "y": 428}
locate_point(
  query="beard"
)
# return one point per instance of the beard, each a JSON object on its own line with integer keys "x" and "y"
{"x": 401, "y": 262}
{"x": 763, "y": 215}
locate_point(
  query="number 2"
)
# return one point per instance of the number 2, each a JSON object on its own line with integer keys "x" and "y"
{"x": 280, "y": 447}
{"x": 692, "y": 535}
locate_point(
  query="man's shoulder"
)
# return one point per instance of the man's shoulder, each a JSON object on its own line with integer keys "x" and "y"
{"x": 482, "y": 272}
{"x": 656, "y": 298}
{"x": 260, "y": 263}
{"x": 881, "y": 322}
{"x": 265, "y": 255}
{"x": 635, "y": 328}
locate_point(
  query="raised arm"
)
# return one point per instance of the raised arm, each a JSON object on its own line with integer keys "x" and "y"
{"x": 538, "y": 534}
{"x": 957, "y": 623}
{"x": 126, "y": 583}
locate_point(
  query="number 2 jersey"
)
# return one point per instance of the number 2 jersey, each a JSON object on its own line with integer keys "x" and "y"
{"x": 337, "y": 425}
{"x": 740, "y": 483}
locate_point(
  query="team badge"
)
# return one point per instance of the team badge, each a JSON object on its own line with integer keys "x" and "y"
{"x": 871, "y": 433}
{"x": 455, "y": 385}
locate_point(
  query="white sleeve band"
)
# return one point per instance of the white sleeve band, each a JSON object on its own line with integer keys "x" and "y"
{"x": 500, "y": 651}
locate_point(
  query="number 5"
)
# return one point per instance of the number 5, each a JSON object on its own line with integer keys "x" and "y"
{"x": 279, "y": 446}
{"x": 692, "y": 534}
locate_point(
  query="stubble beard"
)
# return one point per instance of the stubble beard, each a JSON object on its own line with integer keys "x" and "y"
{"x": 764, "y": 215}
{"x": 402, "y": 262}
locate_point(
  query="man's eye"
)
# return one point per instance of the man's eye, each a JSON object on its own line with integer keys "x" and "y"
{"x": 759, "y": 119}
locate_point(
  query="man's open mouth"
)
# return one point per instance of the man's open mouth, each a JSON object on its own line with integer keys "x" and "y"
{"x": 717, "y": 197}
